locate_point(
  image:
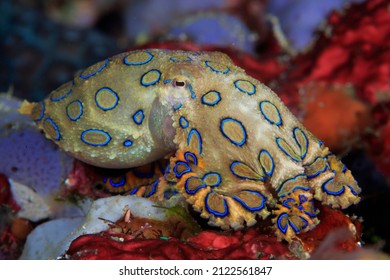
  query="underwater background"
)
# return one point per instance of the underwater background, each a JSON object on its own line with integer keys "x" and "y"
{"x": 329, "y": 61}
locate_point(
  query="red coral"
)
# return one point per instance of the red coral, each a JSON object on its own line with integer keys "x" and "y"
{"x": 207, "y": 245}
{"x": 83, "y": 180}
{"x": 10, "y": 232}
{"x": 356, "y": 52}
{"x": 252, "y": 243}
{"x": 10, "y": 246}
{"x": 332, "y": 220}
{"x": 6, "y": 198}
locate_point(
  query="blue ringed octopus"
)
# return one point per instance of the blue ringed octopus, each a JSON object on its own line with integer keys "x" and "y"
{"x": 229, "y": 144}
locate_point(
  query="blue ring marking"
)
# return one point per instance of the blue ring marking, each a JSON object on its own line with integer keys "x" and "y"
{"x": 62, "y": 96}
{"x": 242, "y": 142}
{"x": 177, "y": 107}
{"x": 244, "y": 91}
{"x": 344, "y": 168}
{"x": 320, "y": 143}
{"x": 81, "y": 108}
{"x": 216, "y": 70}
{"x": 54, "y": 125}
{"x": 138, "y": 117}
{"x": 189, "y": 137}
{"x": 302, "y": 188}
{"x": 262, "y": 179}
{"x": 180, "y": 60}
{"x": 213, "y": 174}
{"x": 96, "y": 131}
{"x": 303, "y": 198}
{"x": 127, "y": 143}
{"x": 169, "y": 193}
{"x": 314, "y": 210}
{"x": 258, "y": 208}
{"x": 217, "y": 94}
{"x": 119, "y": 184}
{"x": 167, "y": 81}
{"x": 282, "y": 229}
{"x": 215, "y": 213}
{"x": 292, "y": 179}
{"x": 352, "y": 190}
{"x": 152, "y": 82}
{"x": 296, "y": 140}
{"x": 341, "y": 191}
{"x": 134, "y": 191}
{"x": 193, "y": 96}
{"x": 193, "y": 157}
{"x": 167, "y": 171}
{"x": 326, "y": 167}
{"x": 112, "y": 92}
{"x": 306, "y": 222}
{"x": 272, "y": 161}
{"x": 186, "y": 170}
{"x": 183, "y": 122}
{"x": 278, "y": 139}
{"x": 279, "y": 122}
{"x": 94, "y": 72}
{"x": 105, "y": 179}
{"x": 138, "y": 63}
{"x": 195, "y": 190}
{"x": 310, "y": 214}
{"x": 154, "y": 189}
{"x": 293, "y": 226}
{"x": 42, "y": 112}
{"x": 285, "y": 203}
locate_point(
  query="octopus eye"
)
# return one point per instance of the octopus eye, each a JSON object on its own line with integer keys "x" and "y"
{"x": 177, "y": 83}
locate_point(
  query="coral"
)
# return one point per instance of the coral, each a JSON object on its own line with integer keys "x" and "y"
{"x": 356, "y": 39}
{"x": 253, "y": 243}
{"x": 6, "y": 198}
{"x": 300, "y": 19}
{"x": 128, "y": 216}
{"x": 344, "y": 128}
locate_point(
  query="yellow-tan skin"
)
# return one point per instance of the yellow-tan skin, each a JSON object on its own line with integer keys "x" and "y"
{"x": 237, "y": 150}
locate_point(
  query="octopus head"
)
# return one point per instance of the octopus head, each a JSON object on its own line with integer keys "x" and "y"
{"x": 174, "y": 97}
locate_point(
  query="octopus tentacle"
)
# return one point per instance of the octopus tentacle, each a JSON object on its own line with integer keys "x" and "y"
{"x": 135, "y": 180}
{"x": 295, "y": 211}
{"x": 341, "y": 190}
{"x": 204, "y": 190}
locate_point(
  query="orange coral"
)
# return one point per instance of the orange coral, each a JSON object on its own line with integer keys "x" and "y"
{"x": 333, "y": 115}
